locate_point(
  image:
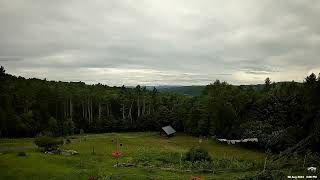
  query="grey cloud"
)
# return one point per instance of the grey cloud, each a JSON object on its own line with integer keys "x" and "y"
{"x": 167, "y": 42}
{"x": 8, "y": 58}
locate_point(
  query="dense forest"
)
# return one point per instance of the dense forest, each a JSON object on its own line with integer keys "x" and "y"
{"x": 184, "y": 90}
{"x": 279, "y": 114}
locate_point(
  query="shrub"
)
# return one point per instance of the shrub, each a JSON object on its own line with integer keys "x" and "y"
{"x": 21, "y": 154}
{"x": 265, "y": 175}
{"x": 68, "y": 141}
{"x": 48, "y": 143}
{"x": 198, "y": 154}
{"x": 202, "y": 165}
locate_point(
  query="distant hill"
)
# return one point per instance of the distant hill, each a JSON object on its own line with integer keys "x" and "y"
{"x": 197, "y": 90}
{"x": 185, "y": 90}
{"x": 256, "y": 87}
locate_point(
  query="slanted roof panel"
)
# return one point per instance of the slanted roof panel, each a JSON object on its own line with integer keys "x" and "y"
{"x": 169, "y": 130}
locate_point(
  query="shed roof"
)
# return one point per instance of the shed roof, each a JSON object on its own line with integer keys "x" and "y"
{"x": 168, "y": 130}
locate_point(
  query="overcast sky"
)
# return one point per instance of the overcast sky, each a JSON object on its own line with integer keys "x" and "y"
{"x": 160, "y": 42}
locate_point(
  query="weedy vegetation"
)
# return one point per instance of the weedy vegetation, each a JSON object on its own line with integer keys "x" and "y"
{"x": 144, "y": 156}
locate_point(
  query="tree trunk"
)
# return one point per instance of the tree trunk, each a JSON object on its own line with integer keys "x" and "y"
{"x": 138, "y": 104}
{"x": 56, "y": 110}
{"x": 88, "y": 111}
{"x": 123, "y": 111}
{"x": 99, "y": 112}
{"x": 71, "y": 108}
{"x": 91, "y": 114}
{"x": 107, "y": 109}
{"x": 144, "y": 106}
{"x": 301, "y": 144}
{"x": 65, "y": 109}
{"x": 26, "y": 108}
{"x": 130, "y": 112}
{"x": 82, "y": 110}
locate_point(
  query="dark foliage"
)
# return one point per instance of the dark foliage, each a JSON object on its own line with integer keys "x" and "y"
{"x": 197, "y": 154}
{"x": 47, "y": 143}
{"x": 278, "y": 114}
{"x": 21, "y": 154}
{"x": 266, "y": 175}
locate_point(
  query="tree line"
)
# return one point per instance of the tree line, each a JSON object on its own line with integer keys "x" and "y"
{"x": 279, "y": 114}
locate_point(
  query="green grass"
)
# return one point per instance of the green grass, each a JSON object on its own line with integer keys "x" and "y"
{"x": 149, "y": 151}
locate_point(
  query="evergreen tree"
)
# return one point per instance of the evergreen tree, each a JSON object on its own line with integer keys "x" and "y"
{"x": 2, "y": 70}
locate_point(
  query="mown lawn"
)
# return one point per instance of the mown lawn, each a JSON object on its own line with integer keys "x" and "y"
{"x": 155, "y": 157}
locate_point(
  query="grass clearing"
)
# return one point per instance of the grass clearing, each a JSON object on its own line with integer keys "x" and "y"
{"x": 154, "y": 156}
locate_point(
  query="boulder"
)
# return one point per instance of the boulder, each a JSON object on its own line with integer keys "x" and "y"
{"x": 124, "y": 165}
{"x": 63, "y": 152}
{"x": 69, "y": 152}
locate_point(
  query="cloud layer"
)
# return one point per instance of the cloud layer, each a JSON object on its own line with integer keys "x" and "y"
{"x": 156, "y": 42}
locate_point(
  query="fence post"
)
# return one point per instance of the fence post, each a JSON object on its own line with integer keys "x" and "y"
{"x": 304, "y": 161}
{"x": 265, "y": 163}
{"x": 180, "y": 161}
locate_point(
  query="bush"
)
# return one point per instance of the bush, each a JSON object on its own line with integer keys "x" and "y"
{"x": 198, "y": 154}
{"x": 265, "y": 175}
{"x": 48, "y": 143}
{"x": 21, "y": 154}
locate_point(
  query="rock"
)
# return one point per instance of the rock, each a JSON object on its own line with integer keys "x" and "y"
{"x": 53, "y": 152}
{"x": 124, "y": 165}
{"x": 69, "y": 152}
{"x": 63, "y": 152}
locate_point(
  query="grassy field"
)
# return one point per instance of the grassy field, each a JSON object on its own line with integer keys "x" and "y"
{"x": 155, "y": 157}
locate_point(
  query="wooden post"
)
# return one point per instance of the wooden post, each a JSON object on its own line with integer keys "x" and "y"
{"x": 93, "y": 150}
{"x": 81, "y": 163}
{"x": 117, "y": 147}
{"x": 117, "y": 144}
{"x": 304, "y": 161}
{"x": 265, "y": 163}
{"x": 180, "y": 160}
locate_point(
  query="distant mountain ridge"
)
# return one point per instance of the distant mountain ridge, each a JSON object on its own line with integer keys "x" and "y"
{"x": 185, "y": 90}
{"x": 196, "y": 90}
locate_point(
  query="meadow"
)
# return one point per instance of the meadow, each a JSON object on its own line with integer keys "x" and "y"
{"x": 152, "y": 157}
